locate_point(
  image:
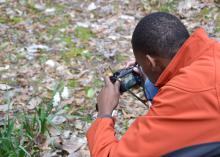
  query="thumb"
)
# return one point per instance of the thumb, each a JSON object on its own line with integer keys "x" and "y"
{"x": 117, "y": 84}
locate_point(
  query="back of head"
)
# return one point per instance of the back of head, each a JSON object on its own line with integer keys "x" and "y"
{"x": 159, "y": 34}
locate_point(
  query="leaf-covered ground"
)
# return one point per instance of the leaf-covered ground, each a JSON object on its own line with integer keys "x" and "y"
{"x": 53, "y": 54}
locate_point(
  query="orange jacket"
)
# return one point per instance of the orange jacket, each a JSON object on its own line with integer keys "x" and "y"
{"x": 186, "y": 110}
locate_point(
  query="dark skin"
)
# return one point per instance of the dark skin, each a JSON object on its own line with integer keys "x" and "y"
{"x": 109, "y": 96}
{"x": 152, "y": 66}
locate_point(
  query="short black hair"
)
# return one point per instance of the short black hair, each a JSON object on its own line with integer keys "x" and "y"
{"x": 159, "y": 34}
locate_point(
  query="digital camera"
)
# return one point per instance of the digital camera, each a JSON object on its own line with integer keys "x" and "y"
{"x": 128, "y": 78}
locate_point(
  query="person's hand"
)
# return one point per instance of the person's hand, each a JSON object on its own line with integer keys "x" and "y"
{"x": 108, "y": 97}
{"x": 130, "y": 63}
{"x": 136, "y": 69}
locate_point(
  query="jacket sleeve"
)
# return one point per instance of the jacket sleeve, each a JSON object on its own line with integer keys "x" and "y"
{"x": 166, "y": 127}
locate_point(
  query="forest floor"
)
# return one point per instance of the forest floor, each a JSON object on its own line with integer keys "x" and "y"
{"x": 53, "y": 55}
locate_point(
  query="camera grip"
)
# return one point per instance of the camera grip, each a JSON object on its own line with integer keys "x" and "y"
{"x": 112, "y": 79}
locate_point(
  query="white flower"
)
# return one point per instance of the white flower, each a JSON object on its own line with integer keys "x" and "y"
{"x": 56, "y": 99}
{"x": 50, "y": 63}
{"x": 91, "y": 7}
{"x": 65, "y": 93}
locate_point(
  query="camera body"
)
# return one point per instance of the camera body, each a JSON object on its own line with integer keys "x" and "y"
{"x": 128, "y": 78}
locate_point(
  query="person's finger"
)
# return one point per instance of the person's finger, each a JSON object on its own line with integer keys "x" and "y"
{"x": 137, "y": 70}
{"x": 107, "y": 81}
{"x": 117, "y": 85}
{"x": 130, "y": 63}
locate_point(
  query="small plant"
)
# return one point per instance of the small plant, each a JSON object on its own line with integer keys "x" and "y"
{"x": 217, "y": 23}
{"x": 83, "y": 33}
{"x": 22, "y": 134}
{"x": 72, "y": 83}
{"x": 13, "y": 20}
{"x": 11, "y": 142}
{"x": 72, "y": 53}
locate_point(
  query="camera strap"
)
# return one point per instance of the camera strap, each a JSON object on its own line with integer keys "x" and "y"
{"x": 138, "y": 98}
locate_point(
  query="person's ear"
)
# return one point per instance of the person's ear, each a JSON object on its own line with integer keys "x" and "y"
{"x": 151, "y": 61}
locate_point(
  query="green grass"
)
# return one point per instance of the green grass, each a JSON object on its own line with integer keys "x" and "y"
{"x": 3, "y": 19}
{"x": 72, "y": 53}
{"x": 3, "y": 45}
{"x": 72, "y": 83}
{"x": 83, "y": 34}
{"x": 86, "y": 118}
{"x": 8, "y": 81}
{"x": 18, "y": 135}
{"x": 10, "y": 142}
{"x": 22, "y": 134}
{"x": 168, "y": 7}
{"x": 43, "y": 58}
{"x": 204, "y": 13}
{"x": 151, "y": 5}
{"x": 217, "y": 23}
{"x": 13, "y": 20}
{"x": 31, "y": 8}
{"x": 217, "y": 29}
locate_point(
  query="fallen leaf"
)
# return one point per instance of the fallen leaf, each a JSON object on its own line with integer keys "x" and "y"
{"x": 34, "y": 102}
{"x": 90, "y": 93}
{"x": 5, "y": 87}
{"x": 91, "y": 6}
{"x": 58, "y": 120}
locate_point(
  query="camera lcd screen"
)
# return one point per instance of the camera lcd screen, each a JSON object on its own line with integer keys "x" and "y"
{"x": 128, "y": 81}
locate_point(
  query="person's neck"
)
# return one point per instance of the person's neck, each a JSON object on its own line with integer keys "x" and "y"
{"x": 160, "y": 64}
{"x": 163, "y": 62}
